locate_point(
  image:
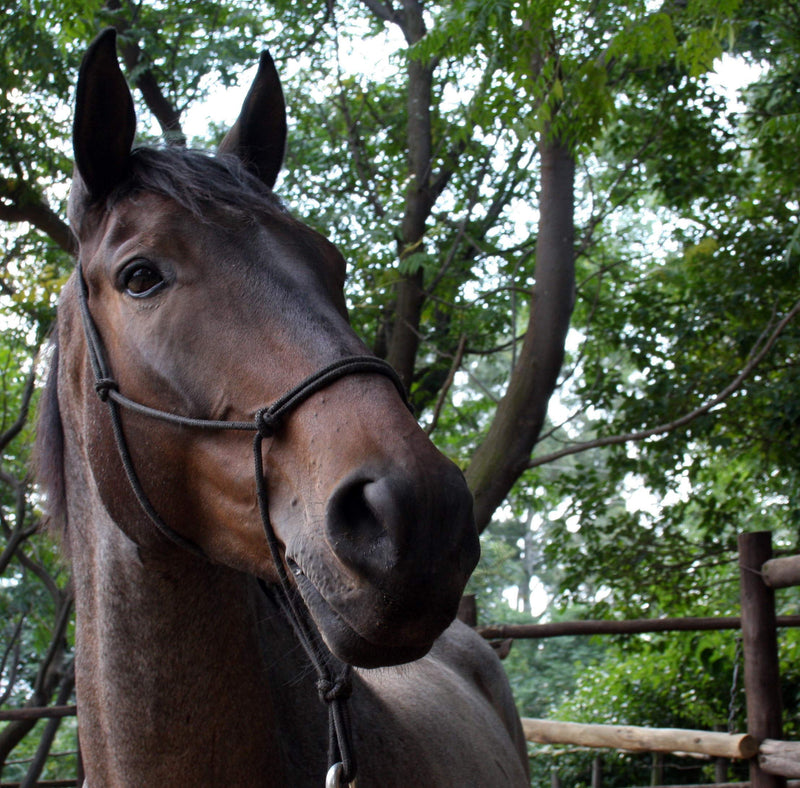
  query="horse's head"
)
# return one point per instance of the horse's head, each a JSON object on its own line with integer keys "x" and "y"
{"x": 211, "y": 302}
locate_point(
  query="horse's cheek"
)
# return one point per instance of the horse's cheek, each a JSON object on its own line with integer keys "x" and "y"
{"x": 107, "y": 468}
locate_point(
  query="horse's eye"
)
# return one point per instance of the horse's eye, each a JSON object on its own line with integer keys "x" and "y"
{"x": 141, "y": 279}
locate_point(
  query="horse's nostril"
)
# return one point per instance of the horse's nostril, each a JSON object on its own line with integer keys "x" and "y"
{"x": 352, "y": 511}
{"x": 365, "y": 525}
{"x": 411, "y": 536}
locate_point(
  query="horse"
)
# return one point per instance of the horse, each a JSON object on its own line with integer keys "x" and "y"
{"x": 246, "y": 501}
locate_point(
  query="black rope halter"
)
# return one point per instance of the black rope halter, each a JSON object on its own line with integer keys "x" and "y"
{"x": 333, "y": 686}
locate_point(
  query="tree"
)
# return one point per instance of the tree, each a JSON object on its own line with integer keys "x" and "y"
{"x": 723, "y": 371}
{"x": 562, "y": 69}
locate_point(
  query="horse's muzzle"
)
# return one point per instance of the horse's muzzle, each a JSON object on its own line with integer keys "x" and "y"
{"x": 403, "y": 549}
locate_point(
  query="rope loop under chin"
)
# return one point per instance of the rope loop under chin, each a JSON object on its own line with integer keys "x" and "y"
{"x": 339, "y": 688}
{"x": 267, "y": 423}
{"x": 104, "y": 386}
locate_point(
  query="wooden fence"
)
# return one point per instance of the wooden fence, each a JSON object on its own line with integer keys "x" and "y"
{"x": 771, "y": 759}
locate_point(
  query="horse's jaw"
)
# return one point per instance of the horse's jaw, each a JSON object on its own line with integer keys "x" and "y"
{"x": 346, "y": 643}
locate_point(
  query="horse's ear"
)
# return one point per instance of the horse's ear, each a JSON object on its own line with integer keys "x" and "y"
{"x": 258, "y": 137}
{"x": 105, "y": 121}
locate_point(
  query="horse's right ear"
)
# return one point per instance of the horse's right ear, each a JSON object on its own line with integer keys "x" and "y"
{"x": 258, "y": 137}
{"x": 105, "y": 121}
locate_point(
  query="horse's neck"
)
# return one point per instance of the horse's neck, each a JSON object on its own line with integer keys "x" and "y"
{"x": 172, "y": 682}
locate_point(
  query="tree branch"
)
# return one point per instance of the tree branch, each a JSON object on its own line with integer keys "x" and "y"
{"x": 447, "y": 384}
{"x": 51, "y": 728}
{"x": 37, "y": 214}
{"x": 19, "y": 534}
{"x": 755, "y": 358}
{"x": 355, "y": 142}
{"x": 49, "y": 677}
{"x": 27, "y": 394}
{"x": 47, "y": 579}
{"x": 12, "y": 650}
{"x": 165, "y": 113}
{"x": 505, "y": 451}
{"x": 452, "y": 157}
{"x": 384, "y": 11}
{"x": 404, "y": 337}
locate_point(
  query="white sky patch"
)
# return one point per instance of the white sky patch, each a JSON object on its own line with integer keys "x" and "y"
{"x": 360, "y": 54}
{"x": 639, "y": 499}
{"x": 730, "y": 75}
{"x": 679, "y": 494}
{"x": 538, "y": 599}
{"x": 222, "y": 106}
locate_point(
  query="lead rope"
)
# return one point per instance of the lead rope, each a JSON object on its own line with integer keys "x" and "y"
{"x": 333, "y": 686}
{"x": 334, "y": 689}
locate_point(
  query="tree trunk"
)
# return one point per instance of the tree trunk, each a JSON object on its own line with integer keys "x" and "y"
{"x": 404, "y": 337}
{"x": 506, "y": 450}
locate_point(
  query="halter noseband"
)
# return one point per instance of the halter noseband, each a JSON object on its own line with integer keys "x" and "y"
{"x": 333, "y": 689}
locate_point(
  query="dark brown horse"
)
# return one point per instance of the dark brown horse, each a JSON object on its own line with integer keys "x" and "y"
{"x": 198, "y": 300}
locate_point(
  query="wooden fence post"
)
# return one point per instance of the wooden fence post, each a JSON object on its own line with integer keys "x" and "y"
{"x": 597, "y": 772}
{"x": 468, "y": 610}
{"x": 657, "y": 769}
{"x": 720, "y": 763}
{"x": 760, "y": 646}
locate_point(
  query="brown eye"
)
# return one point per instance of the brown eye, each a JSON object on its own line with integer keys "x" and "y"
{"x": 142, "y": 279}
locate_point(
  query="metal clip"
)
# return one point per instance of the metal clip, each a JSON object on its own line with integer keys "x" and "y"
{"x": 334, "y": 777}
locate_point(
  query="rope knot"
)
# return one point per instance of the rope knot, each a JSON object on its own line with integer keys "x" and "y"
{"x": 103, "y": 386}
{"x": 338, "y": 689}
{"x": 267, "y": 423}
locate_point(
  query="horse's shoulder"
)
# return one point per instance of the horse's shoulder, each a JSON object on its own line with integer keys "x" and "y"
{"x": 464, "y": 651}
{"x": 435, "y": 706}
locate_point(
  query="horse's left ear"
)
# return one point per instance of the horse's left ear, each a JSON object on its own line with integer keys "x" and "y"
{"x": 258, "y": 137}
{"x": 105, "y": 121}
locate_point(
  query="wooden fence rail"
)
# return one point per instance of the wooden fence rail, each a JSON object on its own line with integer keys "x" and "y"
{"x": 781, "y": 758}
{"x": 634, "y": 626}
{"x": 776, "y": 758}
{"x": 782, "y": 572}
{"x": 37, "y": 713}
{"x": 637, "y": 739}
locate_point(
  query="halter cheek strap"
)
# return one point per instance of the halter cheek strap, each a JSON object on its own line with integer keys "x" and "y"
{"x": 266, "y": 422}
{"x": 333, "y": 687}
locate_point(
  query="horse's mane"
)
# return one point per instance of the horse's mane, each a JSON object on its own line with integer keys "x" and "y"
{"x": 198, "y": 181}
{"x": 49, "y": 450}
